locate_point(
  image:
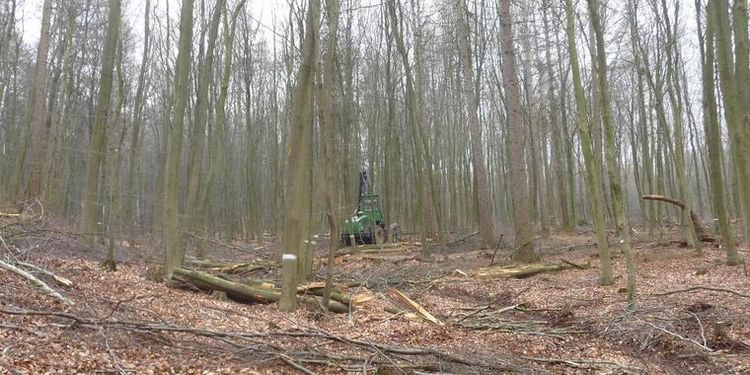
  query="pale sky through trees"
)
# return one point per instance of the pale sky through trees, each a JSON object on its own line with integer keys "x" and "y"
{"x": 264, "y": 11}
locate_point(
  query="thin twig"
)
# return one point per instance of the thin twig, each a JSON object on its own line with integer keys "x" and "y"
{"x": 683, "y": 338}
{"x": 701, "y": 287}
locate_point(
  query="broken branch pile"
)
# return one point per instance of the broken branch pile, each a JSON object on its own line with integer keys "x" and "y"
{"x": 490, "y": 319}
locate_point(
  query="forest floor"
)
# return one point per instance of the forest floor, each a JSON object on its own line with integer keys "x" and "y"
{"x": 692, "y": 316}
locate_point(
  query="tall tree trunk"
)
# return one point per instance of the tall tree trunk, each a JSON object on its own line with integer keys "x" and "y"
{"x": 524, "y": 241}
{"x": 198, "y": 137}
{"x": 472, "y": 106}
{"x": 175, "y": 255}
{"x": 673, "y": 90}
{"x": 425, "y": 205}
{"x": 593, "y": 176}
{"x": 296, "y": 238}
{"x": 618, "y": 196}
{"x": 36, "y": 119}
{"x": 713, "y": 135}
{"x": 98, "y": 148}
{"x": 731, "y": 88}
{"x": 328, "y": 128}
{"x": 135, "y": 136}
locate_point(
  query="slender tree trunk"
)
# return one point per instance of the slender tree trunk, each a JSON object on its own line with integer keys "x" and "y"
{"x": 198, "y": 139}
{"x": 135, "y": 140}
{"x": 328, "y": 127}
{"x": 618, "y": 196}
{"x": 673, "y": 90}
{"x": 593, "y": 176}
{"x": 98, "y": 148}
{"x": 174, "y": 253}
{"x": 472, "y": 106}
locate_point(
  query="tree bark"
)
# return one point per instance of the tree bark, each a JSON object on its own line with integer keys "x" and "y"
{"x": 610, "y": 147}
{"x": 98, "y": 148}
{"x": 298, "y": 198}
{"x": 37, "y": 131}
{"x": 593, "y": 176}
{"x": 524, "y": 241}
{"x": 174, "y": 253}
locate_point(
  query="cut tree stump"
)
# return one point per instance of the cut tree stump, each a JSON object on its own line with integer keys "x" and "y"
{"x": 243, "y": 292}
{"x": 704, "y": 234}
{"x": 524, "y": 270}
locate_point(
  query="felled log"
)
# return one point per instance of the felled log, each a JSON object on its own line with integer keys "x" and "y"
{"x": 224, "y": 267}
{"x": 522, "y": 271}
{"x": 704, "y": 234}
{"x": 243, "y": 292}
{"x": 315, "y": 289}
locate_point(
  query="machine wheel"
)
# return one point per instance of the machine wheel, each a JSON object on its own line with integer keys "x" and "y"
{"x": 345, "y": 240}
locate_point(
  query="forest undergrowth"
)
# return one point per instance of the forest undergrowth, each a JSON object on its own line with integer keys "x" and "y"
{"x": 692, "y": 313}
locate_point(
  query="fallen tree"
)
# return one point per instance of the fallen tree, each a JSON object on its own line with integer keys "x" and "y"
{"x": 704, "y": 234}
{"x": 525, "y": 270}
{"x": 225, "y": 267}
{"x": 315, "y": 289}
{"x": 34, "y": 281}
{"x": 246, "y": 293}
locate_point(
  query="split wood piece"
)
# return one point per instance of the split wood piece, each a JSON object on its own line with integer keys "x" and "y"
{"x": 244, "y": 292}
{"x": 524, "y": 270}
{"x": 704, "y": 234}
{"x": 409, "y": 303}
{"x": 404, "y": 313}
{"x": 39, "y": 284}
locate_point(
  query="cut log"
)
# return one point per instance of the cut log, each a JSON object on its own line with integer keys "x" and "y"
{"x": 372, "y": 249}
{"x": 224, "y": 267}
{"x": 315, "y": 289}
{"x": 246, "y": 293}
{"x": 522, "y": 271}
{"x": 205, "y": 280}
{"x": 704, "y": 234}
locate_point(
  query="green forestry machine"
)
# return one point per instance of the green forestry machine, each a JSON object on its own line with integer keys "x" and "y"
{"x": 367, "y": 225}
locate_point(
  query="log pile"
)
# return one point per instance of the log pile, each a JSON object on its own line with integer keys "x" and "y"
{"x": 258, "y": 290}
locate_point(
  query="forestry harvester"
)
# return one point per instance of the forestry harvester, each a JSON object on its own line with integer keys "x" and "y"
{"x": 367, "y": 225}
